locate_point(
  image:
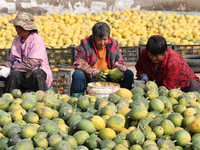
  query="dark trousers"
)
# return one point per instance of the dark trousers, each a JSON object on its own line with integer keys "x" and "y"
{"x": 17, "y": 80}
{"x": 194, "y": 86}
{"x": 80, "y": 81}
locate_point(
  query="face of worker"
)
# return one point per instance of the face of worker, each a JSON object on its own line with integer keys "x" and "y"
{"x": 156, "y": 59}
{"x": 18, "y": 29}
{"x": 101, "y": 42}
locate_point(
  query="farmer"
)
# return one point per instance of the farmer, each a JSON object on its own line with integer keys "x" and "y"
{"x": 164, "y": 65}
{"x": 96, "y": 54}
{"x": 28, "y": 66}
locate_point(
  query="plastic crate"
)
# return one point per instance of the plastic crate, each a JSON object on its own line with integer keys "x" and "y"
{"x": 4, "y": 55}
{"x": 2, "y": 85}
{"x": 62, "y": 81}
{"x": 130, "y": 54}
{"x": 187, "y": 49}
{"x": 60, "y": 57}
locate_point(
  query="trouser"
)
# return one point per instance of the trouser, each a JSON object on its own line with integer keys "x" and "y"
{"x": 194, "y": 86}
{"x": 80, "y": 81}
{"x": 17, "y": 80}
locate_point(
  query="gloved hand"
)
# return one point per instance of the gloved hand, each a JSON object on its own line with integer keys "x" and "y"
{"x": 116, "y": 75}
{"x": 145, "y": 78}
{"x": 4, "y": 71}
{"x": 101, "y": 75}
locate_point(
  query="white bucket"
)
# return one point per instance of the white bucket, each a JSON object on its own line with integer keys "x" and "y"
{"x": 102, "y": 89}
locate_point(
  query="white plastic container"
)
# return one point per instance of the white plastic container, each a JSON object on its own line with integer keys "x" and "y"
{"x": 102, "y": 89}
{"x": 139, "y": 83}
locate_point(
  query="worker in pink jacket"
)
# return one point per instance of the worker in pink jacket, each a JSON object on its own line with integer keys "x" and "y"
{"x": 28, "y": 66}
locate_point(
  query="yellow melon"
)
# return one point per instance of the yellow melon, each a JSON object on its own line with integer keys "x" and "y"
{"x": 98, "y": 122}
{"x": 123, "y": 92}
{"x": 106, "y": 134}
{"x": 116, "y": 123}
{"x": 195, "y": 126}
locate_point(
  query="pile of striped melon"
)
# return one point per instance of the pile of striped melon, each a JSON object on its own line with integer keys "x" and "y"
{"x": 148, "y": 118}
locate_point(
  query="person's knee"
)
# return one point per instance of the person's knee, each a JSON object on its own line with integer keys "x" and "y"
{"x": 79, "y": 81}
{"x": 129, "y": 73}
{"x": 38, "y": 72}
{"x": 78, "y": 74}
{"x": 194, "y": 86}
{"x": 14, "y": 73}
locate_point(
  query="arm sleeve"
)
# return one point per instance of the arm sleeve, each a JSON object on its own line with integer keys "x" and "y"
{"x": 172, "y": 75}
{"x": 14, "y": 52}
{"x": 7, "y": 64}
{"x": 80, "y": 62}
{"x": 35, "y": 55}
{"x": 81, "y": 54}
{"x": 120, "y": 65}
{"x": 119, "y": 61}
{"x": 83, "y": 65}
{"x": 25, "y": 66}
{"x": 139, "y": 66}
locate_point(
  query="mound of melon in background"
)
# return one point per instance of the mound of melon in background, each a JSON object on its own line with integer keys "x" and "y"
{"x": 150, "y": 118}
{"x": 130, "y": 27}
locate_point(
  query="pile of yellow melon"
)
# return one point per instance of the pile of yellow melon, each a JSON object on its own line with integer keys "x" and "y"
{"x": 130, "y": 27}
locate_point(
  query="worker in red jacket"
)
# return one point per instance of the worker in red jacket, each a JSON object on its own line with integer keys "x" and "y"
{"x": 165, "y": 66}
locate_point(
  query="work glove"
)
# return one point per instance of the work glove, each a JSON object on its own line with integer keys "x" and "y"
{"x": 101, "y": 75}
{"x": 4, "y": 71}
{"x": 145, "y": 78}
{"x": 116, "y": 75}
